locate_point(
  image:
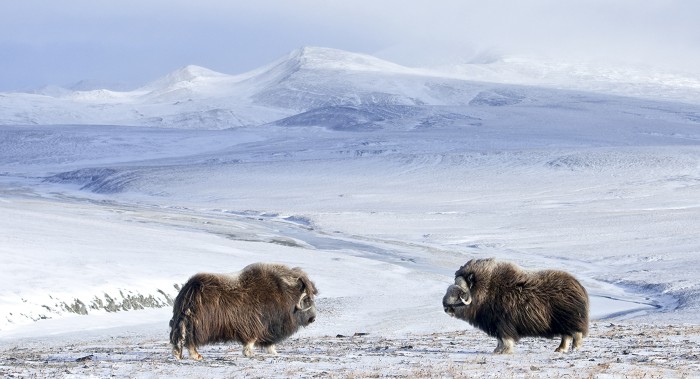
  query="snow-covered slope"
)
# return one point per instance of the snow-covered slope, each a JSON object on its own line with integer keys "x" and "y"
{"x": 585, "y": 186}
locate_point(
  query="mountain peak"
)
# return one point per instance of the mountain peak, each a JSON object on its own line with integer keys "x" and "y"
{"x": 185, "y": 76}
{"x": 311, "y": 57}
{"x": 191, "y": 72}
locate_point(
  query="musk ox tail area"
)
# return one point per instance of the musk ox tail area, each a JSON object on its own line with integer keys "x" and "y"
{"x": 181, "y": 330}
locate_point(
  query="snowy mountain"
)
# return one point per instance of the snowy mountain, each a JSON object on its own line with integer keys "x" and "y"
{"x": 306, "y": 87}
{"x": 634, "y": 81}
{"x": 195, "y": 97}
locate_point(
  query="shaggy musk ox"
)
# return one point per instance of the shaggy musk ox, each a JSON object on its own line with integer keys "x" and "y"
{"x": 260, "y": 306}
{"x": 508, "y": 303}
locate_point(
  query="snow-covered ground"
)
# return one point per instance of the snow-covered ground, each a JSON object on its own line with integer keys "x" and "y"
{"x": 379, "y": 201}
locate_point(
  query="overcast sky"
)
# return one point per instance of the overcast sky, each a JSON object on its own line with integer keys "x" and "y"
{"x": 136, "y": 41}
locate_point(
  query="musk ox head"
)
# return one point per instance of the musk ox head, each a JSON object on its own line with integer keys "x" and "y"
{"x": 305, "y": 307}
{"x": 457, "y": 296}
{"x": 260, "y": 306}
{"x": 508, "y": 303}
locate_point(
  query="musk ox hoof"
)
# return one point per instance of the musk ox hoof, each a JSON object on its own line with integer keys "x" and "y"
{"x": 564, "y": 345}
{"x": 577, "y": 339}
{"x": 503, "y": 351}
{"x": 248, "y": 350}
{"x": 194, "y": 354}
{"x": 505, "y": 346}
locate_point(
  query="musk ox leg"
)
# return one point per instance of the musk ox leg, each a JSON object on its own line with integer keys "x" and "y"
{"x": 194, "y": 354}
{"x": 177, "y": 352}
{"x": 578, "y": 340}
{"x": 564, "y": 345}
{"x": 499, "y": 347}
{"x": 505, "y": 346}
{"x": 178, "y": 336}
{"x": 248, "y": 348}
{"x": 271, "y": 350}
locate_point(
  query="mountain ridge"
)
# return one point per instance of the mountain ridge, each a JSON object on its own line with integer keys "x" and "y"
{"x": 304, "y": 86}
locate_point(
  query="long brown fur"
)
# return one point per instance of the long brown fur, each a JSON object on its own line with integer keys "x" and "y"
{"x": 257, "y": 307}
{"x": 508, "y": 303}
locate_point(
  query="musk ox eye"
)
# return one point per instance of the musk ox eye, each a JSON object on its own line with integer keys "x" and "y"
{"x": 471, "y": 280}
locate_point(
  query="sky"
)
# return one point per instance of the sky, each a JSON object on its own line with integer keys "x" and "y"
{"x": 128, "y": 43}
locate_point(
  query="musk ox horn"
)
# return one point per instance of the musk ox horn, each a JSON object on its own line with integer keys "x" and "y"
{"x": 300, "y": 305}
{"x": 461, "y": 283}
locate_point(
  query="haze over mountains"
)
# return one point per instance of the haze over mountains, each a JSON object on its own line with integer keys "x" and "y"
{"x": 338, "y": 90}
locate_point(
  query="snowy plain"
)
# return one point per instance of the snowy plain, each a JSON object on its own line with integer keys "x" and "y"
{"x": 379, "y": 181}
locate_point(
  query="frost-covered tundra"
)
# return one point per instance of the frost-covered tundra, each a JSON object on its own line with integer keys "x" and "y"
{"x": 508, "y": 303}
{"x": 261, "y": 306}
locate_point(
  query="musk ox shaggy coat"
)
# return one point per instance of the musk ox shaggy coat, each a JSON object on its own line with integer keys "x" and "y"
{"x": 261, "y": 306}
{"x": 508, "y": 303}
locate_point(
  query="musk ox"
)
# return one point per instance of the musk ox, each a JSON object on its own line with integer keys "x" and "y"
{"x": 260, "y": 306}
{"x": 508, "y": 303}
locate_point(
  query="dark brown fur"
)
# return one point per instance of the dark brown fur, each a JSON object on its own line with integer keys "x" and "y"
{"x": 508, "y": 303}
{"x": 257, "y": 307}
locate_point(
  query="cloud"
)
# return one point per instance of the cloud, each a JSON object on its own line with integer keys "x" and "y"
{"x": 656, "y": 31}
{"x": 136, "y": 41}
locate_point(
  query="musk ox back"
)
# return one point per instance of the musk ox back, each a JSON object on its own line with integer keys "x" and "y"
{"x": 261, "y": 306}
{"x": 508, "y": 303}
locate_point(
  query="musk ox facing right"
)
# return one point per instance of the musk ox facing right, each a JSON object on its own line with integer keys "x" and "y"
{"x": 261, "y": 306}
{"x": 508, "y": 303}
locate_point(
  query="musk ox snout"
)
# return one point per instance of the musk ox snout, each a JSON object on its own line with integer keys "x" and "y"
{"x": 457, "y": 296}
{"x": 261, "y": 306}
{"x": 508, "y": 303}
{"x": 305, "y": 310}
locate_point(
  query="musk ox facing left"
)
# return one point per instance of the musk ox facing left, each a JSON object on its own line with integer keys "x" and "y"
{"x": 508, "y": 303}
{"x": 261, "y": 306}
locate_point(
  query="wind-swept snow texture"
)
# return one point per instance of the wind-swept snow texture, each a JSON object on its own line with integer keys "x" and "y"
{"x": 378, "y": 180}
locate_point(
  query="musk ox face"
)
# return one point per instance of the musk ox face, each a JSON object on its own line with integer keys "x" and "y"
{"x": 305, "y": 308}
{"x": 508, "y": 303}
{"x": 261, "y": 306}
{"x": 457, "y": 296}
